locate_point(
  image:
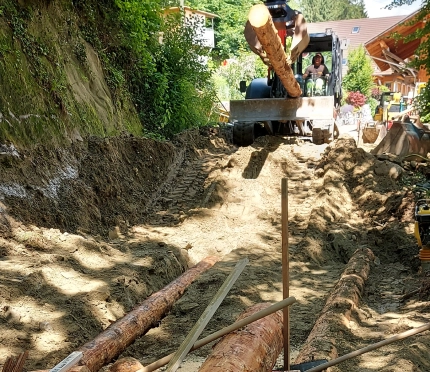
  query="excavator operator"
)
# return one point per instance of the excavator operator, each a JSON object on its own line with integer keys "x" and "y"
{"x": 288, "y": 22}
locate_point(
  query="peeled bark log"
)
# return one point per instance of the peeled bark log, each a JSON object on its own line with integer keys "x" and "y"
{"x": 114, "y": 340}
{"x": 336, "y": 313}
{"x": 261, "y": 21}
{"x": 127, "y": 364}
{"x": 252, "y": 348}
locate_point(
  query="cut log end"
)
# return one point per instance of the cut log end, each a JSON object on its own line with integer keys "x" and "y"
{"x": 127, "y": 364}
{"x": 259, "y": 15}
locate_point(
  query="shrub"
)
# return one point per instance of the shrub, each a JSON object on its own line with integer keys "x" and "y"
{"x": 356, "y": 99}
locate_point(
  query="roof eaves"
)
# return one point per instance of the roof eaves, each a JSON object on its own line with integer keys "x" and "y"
{"x": 392, "y": 27}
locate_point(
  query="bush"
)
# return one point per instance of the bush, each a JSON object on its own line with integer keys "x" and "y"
{"x": 356, "y": 99}
{"x": 422, "y": 104}
{"x": 376, "y": 92}
{"x": 359, "y": 76}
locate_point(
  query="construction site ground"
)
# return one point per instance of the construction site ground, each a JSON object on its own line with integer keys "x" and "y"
{"x": 89, "y": 232}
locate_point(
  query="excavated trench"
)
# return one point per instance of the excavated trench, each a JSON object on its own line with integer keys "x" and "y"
{"x": 80, "y": 249}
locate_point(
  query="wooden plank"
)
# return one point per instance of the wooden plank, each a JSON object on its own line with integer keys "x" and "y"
{"x": 15, "y": 364}
{"x": 204, "y": 319}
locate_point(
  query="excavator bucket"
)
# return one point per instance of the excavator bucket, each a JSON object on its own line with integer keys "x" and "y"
{"x": 404, "y": 139}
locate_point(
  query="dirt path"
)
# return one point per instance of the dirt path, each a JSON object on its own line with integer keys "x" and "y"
{"x": 61, "y": 288}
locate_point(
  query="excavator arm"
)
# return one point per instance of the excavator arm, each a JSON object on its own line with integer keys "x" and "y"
{"x": 287, "y": 22}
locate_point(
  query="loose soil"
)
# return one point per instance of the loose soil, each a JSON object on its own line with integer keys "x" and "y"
{"x": 88, "y": 232}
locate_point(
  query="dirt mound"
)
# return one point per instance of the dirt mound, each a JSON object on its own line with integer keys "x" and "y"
{"x": 95, "y": 185}
{"x": 90, "y": 231}
{"x": 355, "y": 190}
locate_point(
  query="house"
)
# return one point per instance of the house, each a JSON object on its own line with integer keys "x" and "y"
{"x": 388, "y": 54}
{"x": 204, "y": 22}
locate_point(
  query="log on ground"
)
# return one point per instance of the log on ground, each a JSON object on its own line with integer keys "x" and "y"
{"x": 261, "y": 21}
{"x": 336, "y": 313}
{"x": 127, "y": 364}
{"x": 252, "y": 348}
{"x": 115, "y": 339}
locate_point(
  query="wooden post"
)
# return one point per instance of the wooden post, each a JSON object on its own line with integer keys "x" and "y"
{"x": 261, "y": 21}
{"x": 285, "y": 273}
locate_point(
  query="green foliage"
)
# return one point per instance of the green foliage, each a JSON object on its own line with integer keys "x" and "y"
{"x": 373, "y": 103}
{"x": 322, "y": 10}
{"x": 169, "y": 85}
{"x": 140, "y": 20}
{"x": 359, "y": 75}
{"x": 179, "y": 94}
{"x": 422, "y": 103}
{"x": 229, "y": 25}
{"x": 245, "y": 68}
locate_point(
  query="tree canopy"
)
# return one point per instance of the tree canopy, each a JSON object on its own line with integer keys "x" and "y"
{"x": 232, "y": 16}
{"x": 322, "y": 10}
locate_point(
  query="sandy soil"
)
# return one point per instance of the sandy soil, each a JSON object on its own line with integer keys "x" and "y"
{"x": 88, "y": 233}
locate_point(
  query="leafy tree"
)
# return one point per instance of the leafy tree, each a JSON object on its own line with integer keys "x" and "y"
{"x": 321, "y": 10}
{"x": 359, "y": 75}
{"x": 228, "y": 76}
{"x": 179, "y": 95}
{"x": 229, "y": 25}
{"x": 168, "y": 82}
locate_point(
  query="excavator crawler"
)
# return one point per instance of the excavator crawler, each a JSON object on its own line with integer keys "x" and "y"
{"x": 283, "y": 103}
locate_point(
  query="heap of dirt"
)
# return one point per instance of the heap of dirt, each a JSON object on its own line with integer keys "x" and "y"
{"x": 90, "y": 231}
{"x": 355, "y": 190}
{"x": 95, "y": 185}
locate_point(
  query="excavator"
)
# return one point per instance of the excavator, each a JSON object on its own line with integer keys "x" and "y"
{"x": 283, "y": 102}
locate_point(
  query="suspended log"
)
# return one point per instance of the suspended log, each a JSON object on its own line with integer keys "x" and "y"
{"x": 261, "y": 21}
{"x": 336, "y": 313}
{"x": 252, "y": 348}
{"x": 114, "y": 340}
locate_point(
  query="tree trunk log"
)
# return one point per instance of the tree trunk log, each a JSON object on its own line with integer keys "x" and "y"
{"x": 336, "y": 313}
{"x": 261, "y": 21}
{"x": 114, "y": 340}
{"x": 252, "y": 348}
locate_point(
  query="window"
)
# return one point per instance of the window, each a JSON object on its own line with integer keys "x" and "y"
{"x": 355, "y": 30}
